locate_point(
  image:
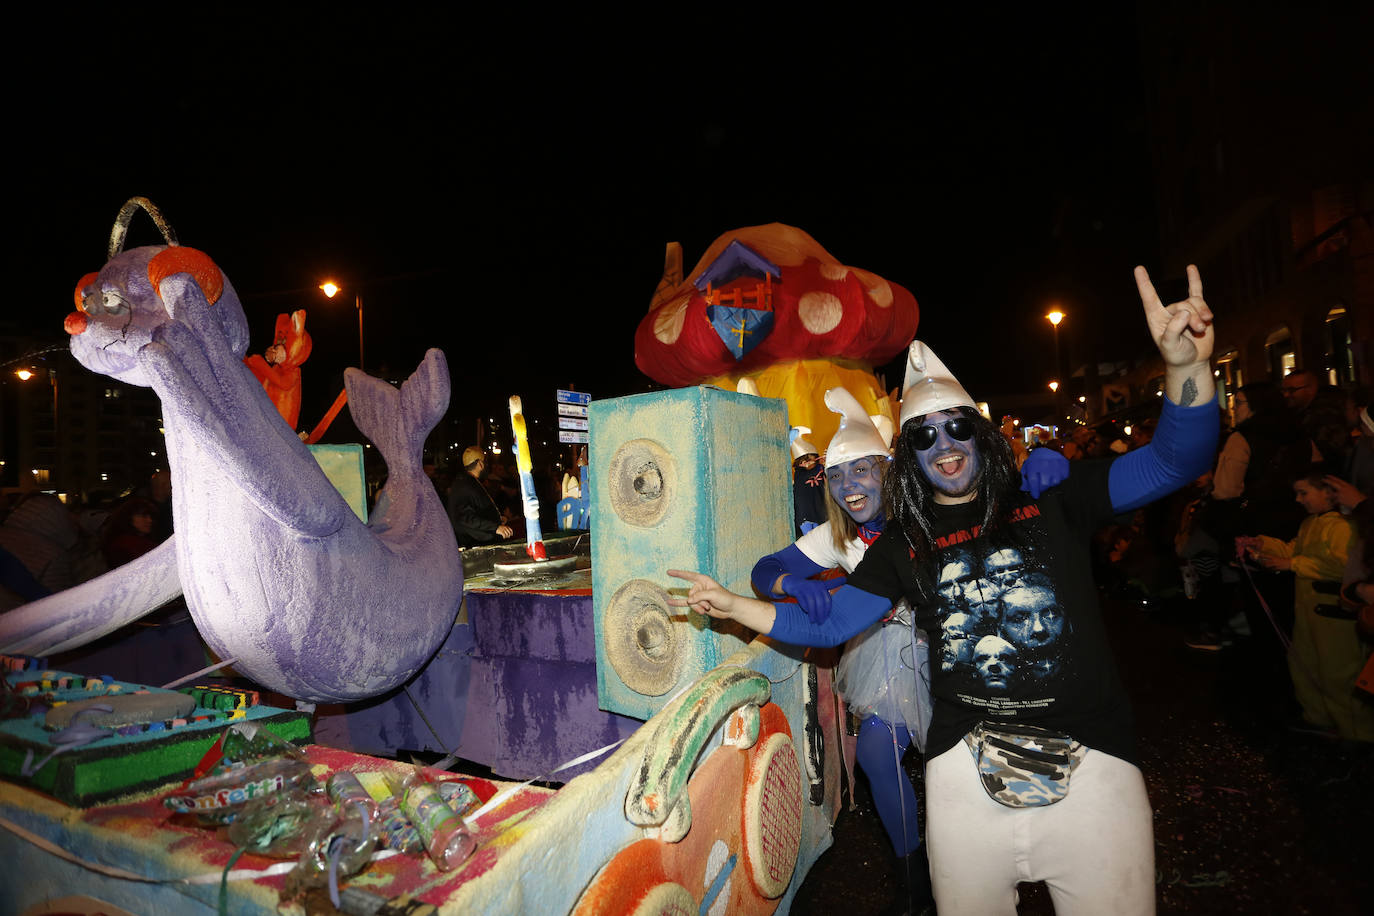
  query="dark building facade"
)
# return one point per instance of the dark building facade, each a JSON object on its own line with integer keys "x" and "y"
{"x": 1262, "y": 143}
{"x": 66, "y": 429}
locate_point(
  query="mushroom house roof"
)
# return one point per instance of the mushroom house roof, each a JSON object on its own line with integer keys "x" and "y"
{"x": 766, "y": 294}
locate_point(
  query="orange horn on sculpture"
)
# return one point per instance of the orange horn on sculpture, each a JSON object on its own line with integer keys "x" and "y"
{"x": 81, "y": 285}
{"x": 183, "y": 260}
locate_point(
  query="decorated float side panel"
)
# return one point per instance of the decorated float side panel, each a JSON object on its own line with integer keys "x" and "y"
{"x": 513, "y": 689}
{"x": 693, "y": 478}
{"x": 427, "y": 714}
{"x": 534, "y": 682}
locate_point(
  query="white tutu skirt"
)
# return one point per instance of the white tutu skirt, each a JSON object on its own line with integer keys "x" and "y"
{"x": 885, "y": 672}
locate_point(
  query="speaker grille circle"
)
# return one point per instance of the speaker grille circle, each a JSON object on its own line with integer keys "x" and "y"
{"x": 641, "y": 639}
{"x": 642, "y": 480}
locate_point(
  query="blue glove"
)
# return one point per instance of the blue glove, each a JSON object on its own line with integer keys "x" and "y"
{"x": 812, "y": 597}
{"x": 1043, "y": 468}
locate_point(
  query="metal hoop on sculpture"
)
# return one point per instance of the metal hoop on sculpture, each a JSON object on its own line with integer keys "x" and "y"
{"x": 126, "y": 215}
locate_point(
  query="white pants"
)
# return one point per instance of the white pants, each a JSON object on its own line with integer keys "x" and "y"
{"x": 1094, "y": 849}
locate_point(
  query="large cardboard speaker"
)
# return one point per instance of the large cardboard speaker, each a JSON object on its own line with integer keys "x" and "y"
{"x": 693, "y": 478}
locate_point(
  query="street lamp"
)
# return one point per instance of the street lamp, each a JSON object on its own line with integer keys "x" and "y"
{"x": 1055, "y": 316}
{"x": 332, "y": 289}
{"x": 24, "y": 374}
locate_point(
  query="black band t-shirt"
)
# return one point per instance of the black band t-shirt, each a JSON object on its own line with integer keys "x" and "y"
{"x": 1012, "y": 614}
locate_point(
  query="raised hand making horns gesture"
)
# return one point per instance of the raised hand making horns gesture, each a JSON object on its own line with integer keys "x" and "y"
{"x": 1183, "y": 333}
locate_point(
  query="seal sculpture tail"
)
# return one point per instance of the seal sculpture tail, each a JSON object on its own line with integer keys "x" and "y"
{"x": 397, "y": 421}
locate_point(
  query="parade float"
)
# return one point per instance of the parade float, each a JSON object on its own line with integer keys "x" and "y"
{"x": 700, "y": 765}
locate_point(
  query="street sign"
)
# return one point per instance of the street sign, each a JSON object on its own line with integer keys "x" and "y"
{"x": 575, "y": 437}
{"x": 573, "y": 397}
{"x": 572, "y": 410}
{"x": 572, "y": 423}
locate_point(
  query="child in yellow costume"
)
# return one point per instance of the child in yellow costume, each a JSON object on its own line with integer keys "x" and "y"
{"x": 1326, "y": 655}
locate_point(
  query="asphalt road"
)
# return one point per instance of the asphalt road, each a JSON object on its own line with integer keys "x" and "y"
{"x": 1250, "y": 816}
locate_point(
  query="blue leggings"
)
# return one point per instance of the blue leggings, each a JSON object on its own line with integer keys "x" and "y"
{"x": 880, "y": 757}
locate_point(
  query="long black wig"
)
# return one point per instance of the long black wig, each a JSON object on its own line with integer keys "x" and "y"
{"x": 909, "y": 498}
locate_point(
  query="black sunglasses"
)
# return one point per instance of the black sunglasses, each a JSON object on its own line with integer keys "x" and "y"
{"x": 960, "y": 428}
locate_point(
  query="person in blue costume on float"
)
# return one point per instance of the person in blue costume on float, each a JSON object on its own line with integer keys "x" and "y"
{"x": 1031, "y": 766}
{"x": 883, "y": 674}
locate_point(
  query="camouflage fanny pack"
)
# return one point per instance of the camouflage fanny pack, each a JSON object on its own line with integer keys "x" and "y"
{"x": 1023, "y": 766}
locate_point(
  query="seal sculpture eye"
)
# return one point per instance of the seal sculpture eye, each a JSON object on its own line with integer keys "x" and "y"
{"x": 113, "y": 303}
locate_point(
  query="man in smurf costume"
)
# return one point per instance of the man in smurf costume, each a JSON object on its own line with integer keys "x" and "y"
{"x": 1027, "y": 779}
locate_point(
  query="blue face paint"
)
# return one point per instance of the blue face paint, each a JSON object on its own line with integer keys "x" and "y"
{"x": 857, "y": 487}
{"x": 951, "y": 466}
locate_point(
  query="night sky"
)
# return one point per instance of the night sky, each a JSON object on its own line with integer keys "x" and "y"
{"x": 504, "y": 191}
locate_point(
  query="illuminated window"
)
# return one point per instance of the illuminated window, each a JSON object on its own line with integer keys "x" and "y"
{"x": 1340, "y": 350}
{"x": 1279, "y": 355}
{"x": 1229, "y": 379}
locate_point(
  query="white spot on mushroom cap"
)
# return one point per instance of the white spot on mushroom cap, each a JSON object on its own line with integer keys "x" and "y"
{"x": 833, "y": 271}
{"x": 820, "y": 312}
{"x": 878, "y": 289}
{"x": 668, "y": 321}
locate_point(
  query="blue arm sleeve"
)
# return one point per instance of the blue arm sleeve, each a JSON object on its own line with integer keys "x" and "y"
{"x": 788, "y": 561}
{"x": 852, "y": 610}
{"x": 1184, "y": 446}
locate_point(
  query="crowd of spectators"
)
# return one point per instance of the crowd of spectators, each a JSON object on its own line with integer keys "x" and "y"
{"x": 47, "y": 545}
{"x": 487, "y": 506}
{"x": 1273, "y": 547}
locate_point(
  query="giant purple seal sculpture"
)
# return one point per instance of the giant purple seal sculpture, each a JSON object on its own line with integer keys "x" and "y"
{"x": 278, "y": 571}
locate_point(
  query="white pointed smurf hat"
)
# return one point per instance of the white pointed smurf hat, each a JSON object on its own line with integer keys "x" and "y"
{"x": 884, "y": 427}
{"x": 801, "y": 446}
{"x": 857, "y": 437}
{"x": 747, "y": 386}
{"x": 929, "y": 387}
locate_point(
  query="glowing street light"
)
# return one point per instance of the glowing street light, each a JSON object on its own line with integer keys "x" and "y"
{"x": 332, "y": 289}
{"x": 1056, "y": 316}
{"x": 24, "y": 374}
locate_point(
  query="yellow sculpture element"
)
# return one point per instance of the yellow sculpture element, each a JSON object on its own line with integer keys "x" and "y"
{"x": 802, "y": 383}
{"x": 517, "y": 423}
